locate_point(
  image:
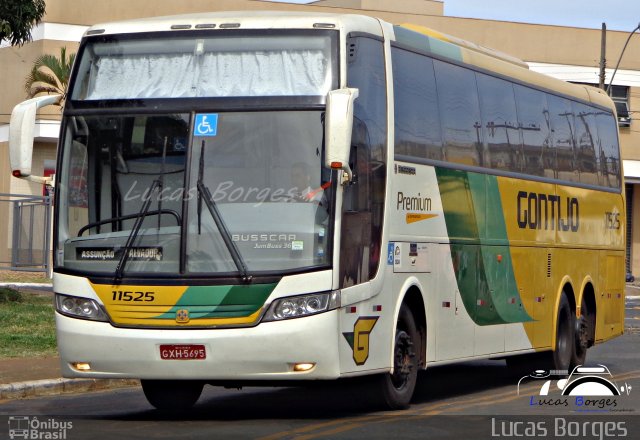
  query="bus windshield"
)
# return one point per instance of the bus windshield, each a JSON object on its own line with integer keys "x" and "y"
{"x": 260, "y": 171}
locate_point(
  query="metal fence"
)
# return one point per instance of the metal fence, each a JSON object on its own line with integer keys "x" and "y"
{"x": 27, "y": 222}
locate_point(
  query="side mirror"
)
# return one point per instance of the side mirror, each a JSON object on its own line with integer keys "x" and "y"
{"x": 338, "y": 124}
{"x": 21, "y": 131}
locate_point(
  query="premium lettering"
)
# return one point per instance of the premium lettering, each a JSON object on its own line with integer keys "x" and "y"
{"x": 418, "y": 203}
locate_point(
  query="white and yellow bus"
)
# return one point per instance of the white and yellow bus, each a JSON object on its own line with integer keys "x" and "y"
{"x": 260, "y": 198}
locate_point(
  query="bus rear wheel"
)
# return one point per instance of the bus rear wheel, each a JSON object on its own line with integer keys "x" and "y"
{"x": 583, "y": 335}
{"x": 172, "y": 395}
{"x": 560, "y": 358}
{"x": 397, "y": 389}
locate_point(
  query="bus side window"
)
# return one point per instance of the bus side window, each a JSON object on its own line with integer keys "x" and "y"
{"x": 417, "y": 117}
{"x": 586, "y": 137}
{"x": 563, "y": 127}
{"x": 499, "y": 123}
{"x": 609, "y": 152}
{"x": 533, "y": 121}
{"x": 363, "y": 201}
{"x": 356, "y": 221}
{"x": 460, "y": 115}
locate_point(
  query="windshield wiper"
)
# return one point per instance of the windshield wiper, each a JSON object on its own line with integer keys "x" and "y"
{"x": 144, "y": 210}
{"x": 205, "y": 195}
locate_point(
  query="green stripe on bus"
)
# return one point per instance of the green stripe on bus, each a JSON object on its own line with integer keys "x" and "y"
{"x": 479, "y": 247}
{"x": 221, "y": 301}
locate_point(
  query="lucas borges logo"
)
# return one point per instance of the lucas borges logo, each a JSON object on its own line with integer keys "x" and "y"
{"x": 585, "y": 389}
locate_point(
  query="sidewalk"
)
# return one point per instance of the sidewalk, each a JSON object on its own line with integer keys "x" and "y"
{"x": 33, "y": 377}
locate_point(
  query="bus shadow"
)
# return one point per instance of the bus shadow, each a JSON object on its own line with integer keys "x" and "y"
{"x": 333, "y": 400}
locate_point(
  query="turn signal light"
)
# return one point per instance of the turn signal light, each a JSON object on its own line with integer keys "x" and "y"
{"x": 81, "y": 366}
{"x": 303, "y": 366}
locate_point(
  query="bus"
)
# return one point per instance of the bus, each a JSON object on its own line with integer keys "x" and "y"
{"x": 254, "y": 198}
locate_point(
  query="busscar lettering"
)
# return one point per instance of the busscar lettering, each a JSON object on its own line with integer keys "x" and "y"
{"x": 263, "y": 237}
{"x": 416, "y": 203}
{"x": 547, "y": 212}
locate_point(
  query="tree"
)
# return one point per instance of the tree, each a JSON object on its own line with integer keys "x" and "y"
{"x": 50, "y": 74}
{"x": 17, "y": 17}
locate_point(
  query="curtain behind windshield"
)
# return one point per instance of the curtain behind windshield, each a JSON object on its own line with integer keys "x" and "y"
{"x": 192, "y": 67}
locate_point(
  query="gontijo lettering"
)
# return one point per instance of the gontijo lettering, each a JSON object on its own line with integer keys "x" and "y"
{"x": 548, "y": 211}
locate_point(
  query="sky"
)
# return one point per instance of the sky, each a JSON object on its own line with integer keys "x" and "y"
{"x": 622, "y": 15}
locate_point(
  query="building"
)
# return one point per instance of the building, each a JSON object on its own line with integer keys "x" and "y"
{"x": 568, "y": 53}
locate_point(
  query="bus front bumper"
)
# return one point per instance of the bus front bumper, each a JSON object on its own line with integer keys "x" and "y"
{"x": 268, "y": 351}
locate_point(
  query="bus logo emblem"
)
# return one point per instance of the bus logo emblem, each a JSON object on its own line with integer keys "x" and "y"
{"x": 358, "y": 340}
{"x": 182, "y": 316}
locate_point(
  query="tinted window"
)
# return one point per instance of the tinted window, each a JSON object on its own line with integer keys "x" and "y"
{"x": 586, "y": 143}
{"x": 460, "y": 114}
{"x": 608, "y": 151}
{"x": 499, "y": 123}
{"x": 533, "y": 119}
{"x": 563, "y": 127}
{"x": 363, "y": 201}
{"x": 417, "y": 118}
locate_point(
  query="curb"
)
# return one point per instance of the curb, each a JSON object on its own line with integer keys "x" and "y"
{"x": 51, "y": 387}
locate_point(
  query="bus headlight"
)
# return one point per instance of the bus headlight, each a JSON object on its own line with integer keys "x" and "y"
{"x": 303, "y": 305}
{"x": 76, "y": 307}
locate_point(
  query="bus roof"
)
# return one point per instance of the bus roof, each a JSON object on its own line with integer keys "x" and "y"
{"x": 242, "y": 20}
{"x": 418, "y": 37}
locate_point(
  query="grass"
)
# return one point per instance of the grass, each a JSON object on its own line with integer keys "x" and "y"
{"x": 27, "y": 326}
{"x": 9, "y": 276}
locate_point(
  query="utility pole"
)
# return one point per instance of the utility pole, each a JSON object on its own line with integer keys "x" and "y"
{"x": 603, "y": 55}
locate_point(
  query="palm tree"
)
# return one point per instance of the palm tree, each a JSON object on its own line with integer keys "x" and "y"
{"x": 50, "y": 74}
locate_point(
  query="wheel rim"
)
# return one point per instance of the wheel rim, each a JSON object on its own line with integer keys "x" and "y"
{"x": 403, "y": 360}
{"x": 582, "y": 334}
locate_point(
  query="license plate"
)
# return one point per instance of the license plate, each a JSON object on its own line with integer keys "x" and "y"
{"x": 182, "y": 352}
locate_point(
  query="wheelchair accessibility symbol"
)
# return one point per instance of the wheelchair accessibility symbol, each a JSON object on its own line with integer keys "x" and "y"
{"x": 206, "y": 124}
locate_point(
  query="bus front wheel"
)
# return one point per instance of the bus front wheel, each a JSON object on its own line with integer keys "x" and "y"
{"x": 397, "y": 389}
{"x": 172, "y": 395}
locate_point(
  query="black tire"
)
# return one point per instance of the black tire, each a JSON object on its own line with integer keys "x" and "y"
{"x": 583, "y": 335}
{"x": 172, "y": 395}
{"x": 396, "y": 390}
{"x": 560, "y": 358}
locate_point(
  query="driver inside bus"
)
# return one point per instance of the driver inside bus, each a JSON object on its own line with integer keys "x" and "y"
{"x": 302, "y": 188}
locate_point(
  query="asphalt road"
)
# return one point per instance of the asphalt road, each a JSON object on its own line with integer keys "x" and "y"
{"x": 468, "y": 400}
